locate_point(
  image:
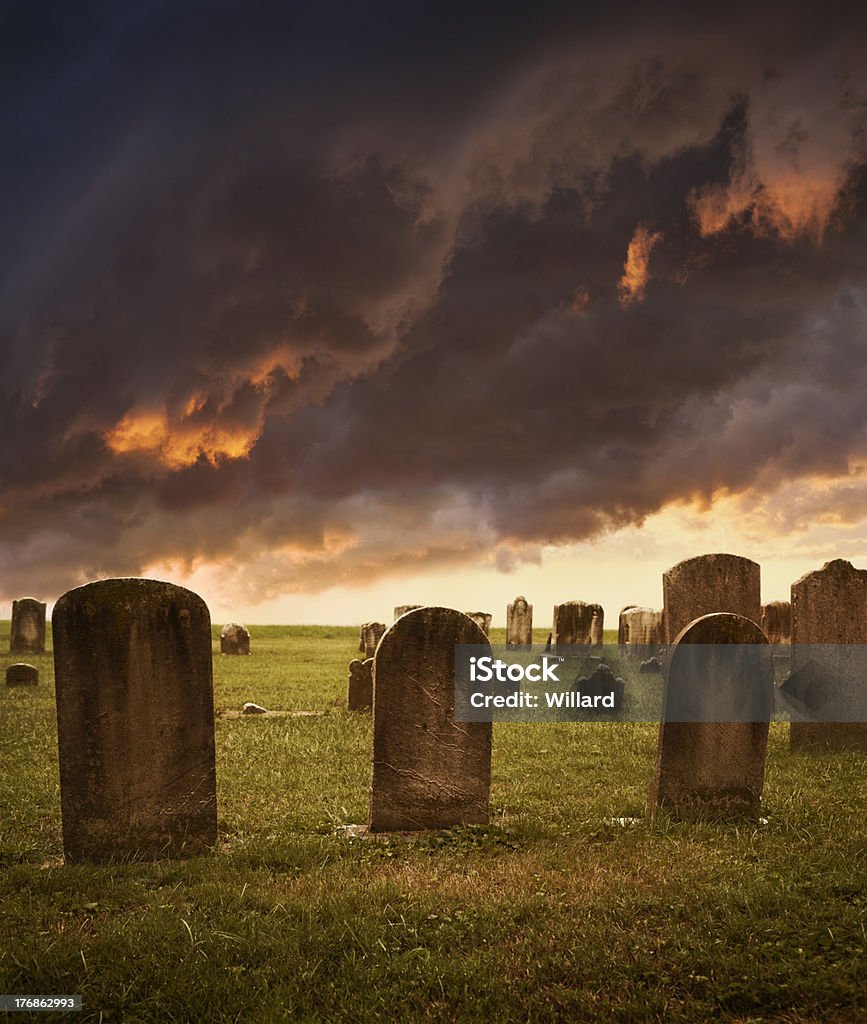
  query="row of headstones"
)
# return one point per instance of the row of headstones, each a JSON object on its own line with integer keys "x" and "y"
{"x": 645, "y": 628}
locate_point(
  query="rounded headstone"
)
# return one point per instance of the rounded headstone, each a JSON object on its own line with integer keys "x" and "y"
{"x": 22, "y": 674}
{"x": 718, "y": 699}
{"x": 710, "y": 583}
{"x": 135, "y": 720}
{"x": 429, "y": 771}
{"x": 234, "y": 639}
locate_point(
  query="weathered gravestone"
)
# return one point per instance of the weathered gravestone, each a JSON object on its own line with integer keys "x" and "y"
{"x": 360, "y": 695}
{"x": 829, "y": 606}
{"x": 714, "y": 734}
{"x": 710, "y": 583}
{"x": 639, "y": 629}
{"x": 576, "y": 622}
{"x": 482, "y": 619}
{"x": 135, "y": 721}
{"x": 27, "y": 632}
{"x": 234, "y": 639}
{"x": 519, "y": 622}
{"x": 369, "y": 636}
{"x": 22, "y": 675}
{"x": 429, "y": 771}
{"x": 777, "y": 622}
{"x": 402, "y": 609}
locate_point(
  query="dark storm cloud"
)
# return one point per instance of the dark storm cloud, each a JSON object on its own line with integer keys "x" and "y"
{"x": 322, "y": 294}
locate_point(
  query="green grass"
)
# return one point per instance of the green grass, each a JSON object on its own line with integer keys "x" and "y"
{"x": 553, "y": 912}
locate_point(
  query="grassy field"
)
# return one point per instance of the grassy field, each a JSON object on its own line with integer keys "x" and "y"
{"x": 554, "y": 912}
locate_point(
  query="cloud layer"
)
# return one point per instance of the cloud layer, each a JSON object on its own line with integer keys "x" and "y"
{"x": 322, "y": 302}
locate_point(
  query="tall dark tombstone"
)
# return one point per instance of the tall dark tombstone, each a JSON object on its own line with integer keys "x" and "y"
{"x": 708, "y": 767}
{"x": 710, "y": 583}
{"x": 829, "y": 606}
{"x": 135, "y": 721}
{"x": 519, "y": 622}
{"x": 429, "y": 771}
{"x": 27, "y": 632}
{"x": 576, "y": 622}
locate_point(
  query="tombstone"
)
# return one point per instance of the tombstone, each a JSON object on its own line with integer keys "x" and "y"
{"x": 829, "y": 606}
{"x": 706, "y": 584}
{"x": 576, "y": 622}
{"x": 429, "y": 771}
{"x": 519, "y": 622}
{"x": 27, "y": 633}
{"x": 22, "y": 674}
{"x": 360, "y": 695}
{"x": 777, "y": 622}
{"x": 402, "y": 609}
{"x": 234, "y": 639}
{"x": 370, "y": 635}
{"x": 483, "y": 619}
{"x": 714, "y": 769}
{"x": 135, "y": 721}
{"x": 639, "y": 630}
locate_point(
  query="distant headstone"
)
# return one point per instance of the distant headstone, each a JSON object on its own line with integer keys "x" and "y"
{"x": 371, "y": 634}
{"x": 519, "y": 622}
{"x": 714, "y": 768}
{"x": 483, "y": 619}
{"x": 360, "y": 696}
{"x": 234, "y": 639}
{"x": 600, "y": 683}
{"x": 829, "y": 606}
{"x": 576, "y": 622}
{"x": 429, "y": 771}
{"x": 27, "y": 632}
{"x": 652, "y": 666}
{"x": 777, "y": 622}
{"x": 22, "y": 674}
{"x": 402, "y": 609}
{"x": 710, "y": 583}
{"x": 135, "y": 721}
{"x": 639, "y": 629}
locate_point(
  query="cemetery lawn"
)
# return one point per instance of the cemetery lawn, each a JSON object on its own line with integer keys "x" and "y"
{"x": 556, "y": 911}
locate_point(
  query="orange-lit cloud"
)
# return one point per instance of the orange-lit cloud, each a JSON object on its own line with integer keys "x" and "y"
{"x": 636, "y": 269}
{"x": 180, "y": 443}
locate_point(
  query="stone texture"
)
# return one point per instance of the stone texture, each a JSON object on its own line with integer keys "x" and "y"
{"x": 135, "y": 721}
{"x": 519, "y": 622}
{"x": 706, "y": 584}
{"x": 482, "y": 619}
{"x": 715, "y": 769}
{"x": 402, "y": 609}
{"x": 27, "y": 633}
{"x": 777, "y": 622}
{"x": 371, "y": 634}
{"x": 22, "y": 674}
{"x": 576, "y": 622}
{"x": 639, "y": 629}
{"x": 234, "y": 639}
{"x": 360, "y": 695}
{"x": 429, "y": 771}
{"x": 829, "y": 606}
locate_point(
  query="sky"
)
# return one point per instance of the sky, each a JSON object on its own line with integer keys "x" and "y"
{"x": 321, "y": 308}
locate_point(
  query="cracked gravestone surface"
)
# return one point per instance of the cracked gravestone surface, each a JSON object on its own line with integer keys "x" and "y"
{"x": 519, "y": 622}
{"x": 829, "y": 606}
{"x": 429, "y": 771}
{"x": 27, "y": 631}
{"x": 706, "y": 584}
{"x": 135, "y": 721}
{"x": 234, "y": 639}
{"x": 714, "y": 769}
{"x": 360, "y": 689}
{"x": 577, "y": 622}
